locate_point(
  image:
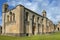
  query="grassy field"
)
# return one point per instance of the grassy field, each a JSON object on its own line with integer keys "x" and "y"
{"x": 54, "y": 36}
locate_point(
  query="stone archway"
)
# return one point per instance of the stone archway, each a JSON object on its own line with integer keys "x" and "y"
{"x": 58, "y": 29}
{"x": 33, "y": 30}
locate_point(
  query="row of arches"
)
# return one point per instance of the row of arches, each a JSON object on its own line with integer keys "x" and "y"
{"x": 33, "y": 22}
{"x": 11, "y": 17}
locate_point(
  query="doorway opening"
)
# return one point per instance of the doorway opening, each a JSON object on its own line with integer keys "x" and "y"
{"x": 33, "y": 30}
{"x": 27, "y": 34}
{"x": 58, "y": 29}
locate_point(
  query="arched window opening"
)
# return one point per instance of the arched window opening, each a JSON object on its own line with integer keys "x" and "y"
{"x": 33, "y": 18}
{"x": 7, "y": 18}
{"x": 26, "y": 16}
{"x": 13, "y": 17}
{"x": 58, "y": 29}
{"x": 37, "y": 19}
{"x": 10, "y": 16}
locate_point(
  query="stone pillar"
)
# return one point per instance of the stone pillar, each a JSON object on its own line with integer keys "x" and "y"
{"x": 40, "y": 28}
{"x": 3, "y": 23}
{"x": 30, "y": 24}
{"x": 4, "y": 10}
{"x": 21, "y": 20}
{"x": 44, "y": 23}
{"x": 36, "y": 29}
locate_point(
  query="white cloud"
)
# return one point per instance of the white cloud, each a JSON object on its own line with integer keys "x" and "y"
{"x": 12, "y": 3}
{"x": 58, "y": 17}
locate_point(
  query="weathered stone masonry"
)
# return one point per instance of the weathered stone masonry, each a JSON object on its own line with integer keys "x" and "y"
{"x": 21, "y": 21}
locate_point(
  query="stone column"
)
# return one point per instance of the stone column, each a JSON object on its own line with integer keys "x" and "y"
{"x": 44, "y": 25}
{"x": 36, "y": 29}
{"x": 30, "y": 24}
{"x": 3, "y": 23}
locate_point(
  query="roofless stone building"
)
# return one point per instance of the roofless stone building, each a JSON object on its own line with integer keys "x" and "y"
{"x": 21, "y": 21}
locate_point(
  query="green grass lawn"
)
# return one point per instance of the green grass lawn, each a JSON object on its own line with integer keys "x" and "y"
{"x": 53, "y": 36}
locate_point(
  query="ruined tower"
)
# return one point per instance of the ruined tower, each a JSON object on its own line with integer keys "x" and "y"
{"x": 44, "y": 13}
{"x": 4, "y": 10}
{"x": 5, "y": 7}
{"x": 44, "y": 21}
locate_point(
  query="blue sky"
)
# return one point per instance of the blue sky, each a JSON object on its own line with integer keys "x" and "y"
{"x": 52, "y": 7}
{"x": 1, "y": 3}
